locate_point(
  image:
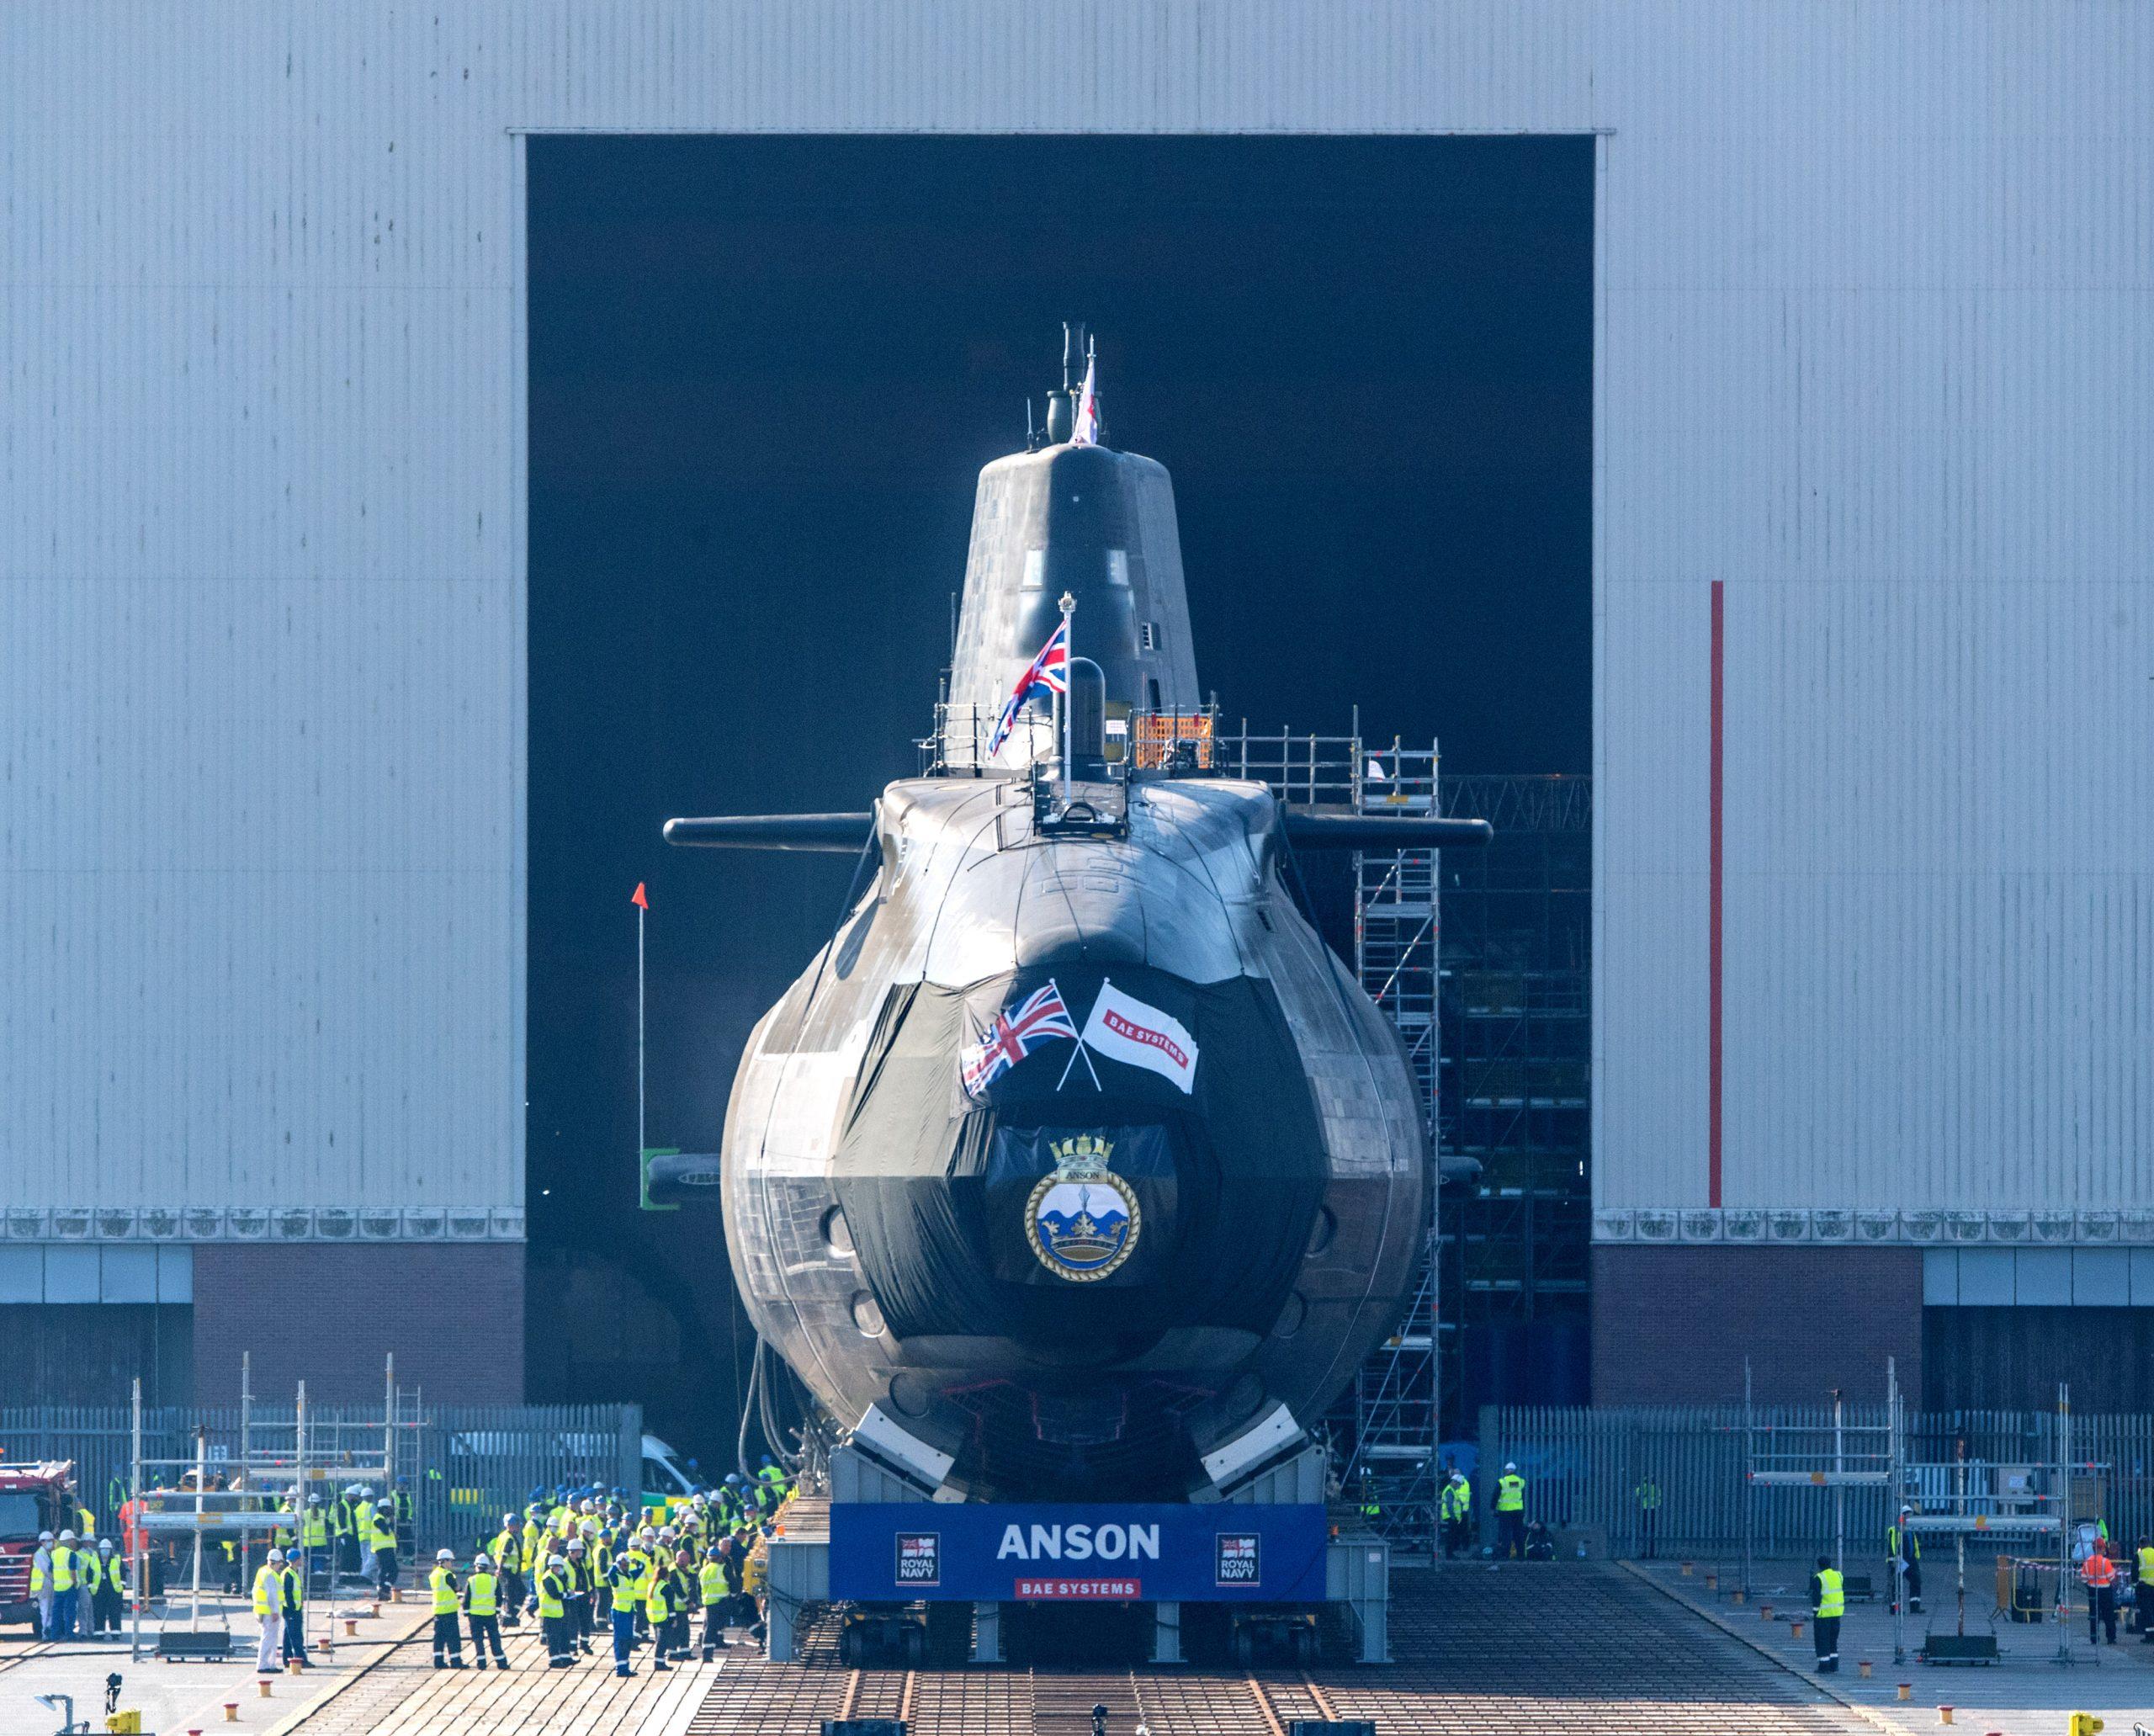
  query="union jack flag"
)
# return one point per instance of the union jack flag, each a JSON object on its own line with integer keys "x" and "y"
{"x": 1048, "y": 673}
{"x": 1012, "y": 1036}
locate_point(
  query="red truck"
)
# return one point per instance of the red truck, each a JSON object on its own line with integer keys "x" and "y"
{"x": 32, "y": 1498}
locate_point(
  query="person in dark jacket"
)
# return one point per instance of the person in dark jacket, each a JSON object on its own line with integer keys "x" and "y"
{"x": 685, "y": 1598}
{"x": 292, "y": 1585}
{"x": 733, "y": 1561}
{"x": 1905, "y": 1549}
{"x": 107, "y": 1598}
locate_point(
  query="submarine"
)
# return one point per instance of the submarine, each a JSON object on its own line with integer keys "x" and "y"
{"x": 1075, "y": 1166}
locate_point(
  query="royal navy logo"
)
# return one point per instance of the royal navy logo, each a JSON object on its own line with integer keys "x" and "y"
{"x": 920, "y": 1558}
{"x": 1240, "y": 1560}
{"x": 1082, "y": 1220}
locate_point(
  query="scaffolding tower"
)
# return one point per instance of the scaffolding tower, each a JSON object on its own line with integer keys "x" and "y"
{"x": 248, "y": 1488}
{"x": 1953, "y": 1499}
{"x": 1397, "y": 956}
{"x": 1388, "y": 1420}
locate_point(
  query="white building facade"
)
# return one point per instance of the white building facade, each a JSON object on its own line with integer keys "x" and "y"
{"x": 1873, "y": 503}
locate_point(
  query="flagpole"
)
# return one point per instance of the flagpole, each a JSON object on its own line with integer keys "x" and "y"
{"x": 643, "y": 1142}
{"x": 642, "y": 1139}
{"x": 1068, "y": 606}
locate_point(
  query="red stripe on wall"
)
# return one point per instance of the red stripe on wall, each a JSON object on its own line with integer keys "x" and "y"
{"x": 1712, "y": 1046}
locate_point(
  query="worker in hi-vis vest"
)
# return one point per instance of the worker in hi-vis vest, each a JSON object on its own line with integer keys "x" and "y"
{"x": 381, "y": 1539}
{"x": 482, "y": 1599}
{"x": 1455, "y": 1510}
{"x": 2142, "y": 1595}
{"x": 1828, "y": 1602}
{"x": 2100, "y": 1574}
{"x": 1647, "y": 1496}
{"x": 1905, "y": 1549}
{"x": 269, "y": 1612}
{"x": 448, "y": 1607}
{"x": 1510, "y": 1512}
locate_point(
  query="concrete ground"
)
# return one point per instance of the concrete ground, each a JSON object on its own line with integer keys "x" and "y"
{"x": 2028, "y": 1692}
{"x": 175, "y": 1698}
{"x": 1575, "y": 1649}
{"x": 1565, "y": 1648}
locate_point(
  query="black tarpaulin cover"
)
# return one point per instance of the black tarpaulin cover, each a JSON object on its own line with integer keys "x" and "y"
{"x": 935, "y": 1184}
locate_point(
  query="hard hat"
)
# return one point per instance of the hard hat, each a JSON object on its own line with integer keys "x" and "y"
{"x": 1510, "y": 1464}
{"x": 575, "y": 1546}
{"x": 276, "y": 1555}
{"x": 44, "y": 1536}
{"x": 1907, "y": 1512}
{"x": 104, "y": 1546}
{"x": 401, "y": 1480}
{"x": 444, "y": 1555}
{"x": 732, "y": 1479}
{"x": 508, "y": 1519}
{"x": 314, "y": 1500}
{"x": 66, "y": 1536}
{"x": 482, "y": 1559}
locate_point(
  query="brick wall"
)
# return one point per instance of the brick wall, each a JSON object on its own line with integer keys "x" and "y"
{"x": 1671, "y": 1325}
{"x": 452, "y": 1313}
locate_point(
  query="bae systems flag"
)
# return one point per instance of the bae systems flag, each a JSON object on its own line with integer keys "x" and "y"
{"x": 1123, "y": 1028}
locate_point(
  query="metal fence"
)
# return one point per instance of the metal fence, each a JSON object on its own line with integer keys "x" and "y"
{"x": 1583, "y": 1469}
{"x": 465, "y": 1465}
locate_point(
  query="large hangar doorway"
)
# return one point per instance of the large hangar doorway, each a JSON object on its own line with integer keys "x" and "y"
{"x": 763, "y": 374}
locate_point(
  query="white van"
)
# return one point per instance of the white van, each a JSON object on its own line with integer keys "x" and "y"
{"x": 665, "y": 1476}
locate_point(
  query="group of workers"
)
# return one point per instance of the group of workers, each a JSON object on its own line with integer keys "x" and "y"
{"x": 2102, "y": 1574}
{"x": 575, "y": 1558}
{"x": 584, "y": 1556}
{"x": 1516, "y": 1540}
{"x": 75, "y": 1586}
{"x": 355, "y": 1533}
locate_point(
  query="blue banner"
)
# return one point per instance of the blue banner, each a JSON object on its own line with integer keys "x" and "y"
{"x": 896, "y": 1552}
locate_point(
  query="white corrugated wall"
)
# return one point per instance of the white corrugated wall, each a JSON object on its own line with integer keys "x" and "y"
{"x": 1872, "y": 348}
{"x": 1875, "y": 349}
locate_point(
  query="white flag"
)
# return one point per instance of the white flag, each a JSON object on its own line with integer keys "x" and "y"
{"x": 1086, "y": 431}
{"x": 1123, "y": 1028}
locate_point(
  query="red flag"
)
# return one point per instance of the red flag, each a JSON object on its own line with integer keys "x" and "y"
{"x": 637, "y": 899}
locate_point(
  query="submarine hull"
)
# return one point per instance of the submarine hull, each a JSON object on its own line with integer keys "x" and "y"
{"x": 1074, "y": 1264}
